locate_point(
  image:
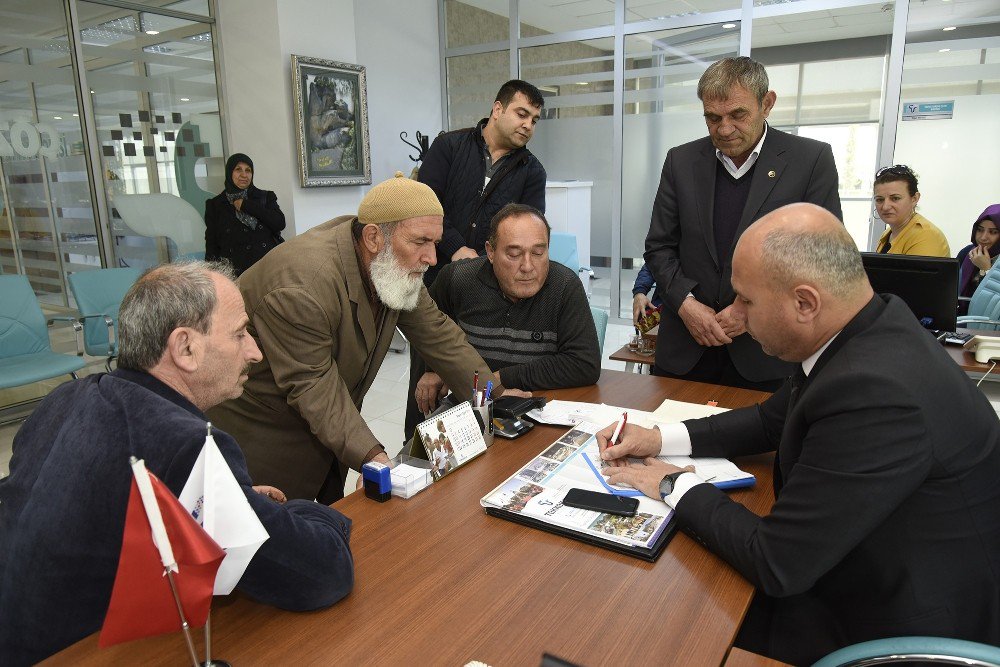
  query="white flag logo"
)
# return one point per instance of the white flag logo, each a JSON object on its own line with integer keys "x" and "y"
{"x": 215, "y": 500}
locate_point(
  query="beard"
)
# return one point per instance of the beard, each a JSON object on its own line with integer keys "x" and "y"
{"x": 394, "y": 284}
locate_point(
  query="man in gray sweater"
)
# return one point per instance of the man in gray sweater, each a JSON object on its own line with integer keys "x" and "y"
{"x": 527, "y": 317}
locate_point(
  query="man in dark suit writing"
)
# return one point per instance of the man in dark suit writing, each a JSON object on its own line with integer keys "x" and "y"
{"x": 887, "y": 514}
{"x": 710, "y": 191}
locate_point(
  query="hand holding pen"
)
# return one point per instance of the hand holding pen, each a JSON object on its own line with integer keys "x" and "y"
{"x": 622, "y": 440}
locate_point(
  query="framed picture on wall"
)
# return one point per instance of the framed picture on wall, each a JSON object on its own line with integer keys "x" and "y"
{"x": 331, "y": 122}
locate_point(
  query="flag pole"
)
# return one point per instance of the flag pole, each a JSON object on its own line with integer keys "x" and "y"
{"x": 208, "y": 621}
{"x": 208, "y": 646}
{"x": 162, "y": 542}
{"x": 184, "y": 623}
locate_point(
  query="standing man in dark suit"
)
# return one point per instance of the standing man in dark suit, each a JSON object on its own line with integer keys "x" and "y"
{"x": 710, "y": 191}
{"x": 887, "y": 513}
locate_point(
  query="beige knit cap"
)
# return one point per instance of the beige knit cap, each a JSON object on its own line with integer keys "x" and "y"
{"x": 399, "y": 198}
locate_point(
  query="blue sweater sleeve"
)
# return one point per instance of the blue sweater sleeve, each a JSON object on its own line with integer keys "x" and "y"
{"x": 644, "y": 281}
{"x": 306, "y": 562}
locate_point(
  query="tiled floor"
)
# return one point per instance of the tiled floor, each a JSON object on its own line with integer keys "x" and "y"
{"x": 384, "y": 405}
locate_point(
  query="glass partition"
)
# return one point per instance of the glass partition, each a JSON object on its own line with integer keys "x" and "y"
{"x": 473, "y": 82}
{"x": 948, "y": 112}
{"x": 481, "y": 22}
{"x": 152, "y": 81}
{"x": 828, "y": 69}
{"x": 574, "y": 144}
{"x": 662, "y": 110}
{"x": 47, "y": 223}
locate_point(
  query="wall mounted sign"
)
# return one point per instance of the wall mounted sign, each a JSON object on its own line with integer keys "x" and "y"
{"x": 928, "y": 110}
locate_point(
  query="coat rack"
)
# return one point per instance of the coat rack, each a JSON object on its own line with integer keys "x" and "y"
{"x": 423, "y": 143}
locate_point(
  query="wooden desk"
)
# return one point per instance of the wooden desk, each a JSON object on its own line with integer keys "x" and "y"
{"x": 440, "y": 582}
{"x": 967, "y": 360}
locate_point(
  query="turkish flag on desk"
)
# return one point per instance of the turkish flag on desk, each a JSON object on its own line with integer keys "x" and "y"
{"x": 142, "y": 604}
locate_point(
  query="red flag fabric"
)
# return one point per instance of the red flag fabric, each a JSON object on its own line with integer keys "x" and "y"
{"x": 142, "y": 604}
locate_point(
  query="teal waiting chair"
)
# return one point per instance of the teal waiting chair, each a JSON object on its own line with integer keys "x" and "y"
{"x": 601, "y": 323}
{"x": 98, "y": 295}
{"x": 562, "y": 249}
{"x": 26, "y": 354}
{"x": 984, "y": 307}
{"x": 923, "y": 650}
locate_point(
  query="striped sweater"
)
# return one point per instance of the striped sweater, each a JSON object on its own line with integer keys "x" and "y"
{"x": 545, "y": 342}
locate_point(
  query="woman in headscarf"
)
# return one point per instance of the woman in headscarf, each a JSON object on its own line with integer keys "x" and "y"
{"x": 975, "y": 260}
{"x": 243, "y": 222}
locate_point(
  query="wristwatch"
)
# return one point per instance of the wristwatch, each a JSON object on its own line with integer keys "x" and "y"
{"x": 667, "y": 483}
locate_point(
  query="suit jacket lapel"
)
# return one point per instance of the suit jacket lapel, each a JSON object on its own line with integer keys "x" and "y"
{"x": 769, "y": 161}
{"x": 704, "y": 178}
{"x": 355, "y": 287}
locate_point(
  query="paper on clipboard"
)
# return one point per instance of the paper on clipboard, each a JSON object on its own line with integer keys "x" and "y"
{"x": 672, "y": 412}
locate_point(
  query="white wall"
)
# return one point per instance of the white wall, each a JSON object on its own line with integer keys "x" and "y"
{"x": 396, "y": 42}
{"x": 258, "y": 121}
{"x": 955, "y": 164}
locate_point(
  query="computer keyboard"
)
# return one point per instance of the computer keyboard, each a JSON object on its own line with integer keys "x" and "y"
{"x": 957, "y": 338}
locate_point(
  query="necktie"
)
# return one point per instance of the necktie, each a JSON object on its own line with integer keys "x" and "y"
{"x": 795, "y": 381}
{"x": 886, "y": 247}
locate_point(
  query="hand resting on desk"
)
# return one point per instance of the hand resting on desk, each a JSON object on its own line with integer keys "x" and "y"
{"x": 645, "y": 476}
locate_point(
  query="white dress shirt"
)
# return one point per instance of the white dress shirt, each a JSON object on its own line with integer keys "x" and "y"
{"x": 731, "y": 167}
{"x": 676, "y": 441}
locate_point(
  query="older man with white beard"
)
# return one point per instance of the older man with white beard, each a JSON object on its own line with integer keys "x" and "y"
{"x": 323, "y": 308}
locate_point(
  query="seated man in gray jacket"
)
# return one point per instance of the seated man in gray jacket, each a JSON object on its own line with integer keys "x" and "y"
{"x": 184, "y": 348}
{"x": 529, "y": 318}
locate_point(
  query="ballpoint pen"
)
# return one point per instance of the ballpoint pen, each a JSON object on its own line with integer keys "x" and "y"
{"x": 618, "y": 429}
{"x": 489, "y": 390}
{"x": 475, "y": 383}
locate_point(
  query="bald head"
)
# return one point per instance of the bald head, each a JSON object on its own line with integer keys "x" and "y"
{"x": 804, "y": 243}
{"x": 799, "y": 278}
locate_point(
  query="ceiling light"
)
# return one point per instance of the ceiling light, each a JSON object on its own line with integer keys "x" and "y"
{"x": 92, "y": 93}
{"x": 951, "y": 27}
{"x": 943, "y": 50}
{"x": 76, "y": 115}
{"x": 58, "y": 117}
{"x": 728, "y": 26}
{"x": 152, "y": 32}
{"x": 185, "y": 99}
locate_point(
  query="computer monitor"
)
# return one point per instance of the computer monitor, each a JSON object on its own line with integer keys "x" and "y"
{"x": 928, "y": 285}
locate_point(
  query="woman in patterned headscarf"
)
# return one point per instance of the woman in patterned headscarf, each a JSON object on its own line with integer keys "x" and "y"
{"x": 243, "y": 222}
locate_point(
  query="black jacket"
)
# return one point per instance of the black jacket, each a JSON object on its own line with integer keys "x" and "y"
{"x": 887, "y": 518}
{"x": 228, "y": 238}
{"x": 455, "y": 169}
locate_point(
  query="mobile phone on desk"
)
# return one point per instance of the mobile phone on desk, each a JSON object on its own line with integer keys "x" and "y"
{"x": 607, "y": 503}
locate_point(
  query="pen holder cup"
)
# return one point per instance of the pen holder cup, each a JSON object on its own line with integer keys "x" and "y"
{"x": 484, "y": 415}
